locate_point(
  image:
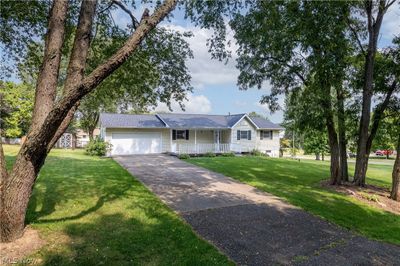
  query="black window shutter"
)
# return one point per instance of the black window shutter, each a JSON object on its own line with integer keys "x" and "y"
{"x": 249, "y": 135}
{"x": 261, "y": 134}
{"x": 173, "y": 134}
{"x": 271, "y": 134}
{"x": 187, "y": 134}
{"x": 238, "y": 135}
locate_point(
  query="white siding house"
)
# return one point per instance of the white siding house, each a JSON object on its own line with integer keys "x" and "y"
{"x": 188, "y": 133}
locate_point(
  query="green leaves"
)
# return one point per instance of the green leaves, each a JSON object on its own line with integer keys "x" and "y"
{"x": 17, "y": 105}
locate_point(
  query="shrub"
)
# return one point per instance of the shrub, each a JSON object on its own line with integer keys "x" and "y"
{"x": 256, "y": 152}
{"x": 98, "y": 147}
{"x": 209, "y": 154}
{"x": 184, "y": 156}
{"x": 228, "y": 154}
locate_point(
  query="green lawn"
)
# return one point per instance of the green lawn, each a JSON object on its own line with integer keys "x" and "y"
{"x": 299, "y": 183}
{"x": 92, "y": 212}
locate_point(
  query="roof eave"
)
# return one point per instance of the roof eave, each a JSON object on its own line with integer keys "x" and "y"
{"x": 248, "y": 117}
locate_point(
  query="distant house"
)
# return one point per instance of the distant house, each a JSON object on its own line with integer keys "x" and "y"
{"x": 78, "y": 139}
{"x": 82, "y": 137}
{"x": 188, "y": 133}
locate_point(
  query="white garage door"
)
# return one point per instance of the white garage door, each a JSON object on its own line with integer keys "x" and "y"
{"x": 135, "y": 143}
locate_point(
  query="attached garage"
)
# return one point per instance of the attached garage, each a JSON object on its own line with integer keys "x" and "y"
{"x": 136, "y": 143}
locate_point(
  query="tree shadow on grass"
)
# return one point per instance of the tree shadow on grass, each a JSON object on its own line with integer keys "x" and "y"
{"x": 138, "y": 239}
{"x": 69, "y": 189}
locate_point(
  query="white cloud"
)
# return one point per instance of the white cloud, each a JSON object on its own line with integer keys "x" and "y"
{"x": 239, "y": 103}
{"x": 391, "y": 23}
{"x": 203, "y": 69}
{"x": 198, "y": 104}
{"x": 264, "y": 107}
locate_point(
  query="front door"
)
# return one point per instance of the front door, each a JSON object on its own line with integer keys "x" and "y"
{"x": 217, "y": 136}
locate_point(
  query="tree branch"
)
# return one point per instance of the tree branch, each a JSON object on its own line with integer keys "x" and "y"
{"x": 291, "y": 67}
{"x": 77, "y": 62}
{"x": 135, "y": 22}
{"x": 46, "y": 132}
{"x": 63, "y": 126}
{"x": 48, "y": 76}
{"x": 356, "y": 36}
{"x": 379, "y": 112}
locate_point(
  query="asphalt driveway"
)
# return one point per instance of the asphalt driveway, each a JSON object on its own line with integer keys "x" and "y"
{"x": 249, "y": 226}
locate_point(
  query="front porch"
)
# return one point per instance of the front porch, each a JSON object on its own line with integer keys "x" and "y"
{"x": 182, "y": 148}
{"x": 200, "y": 141}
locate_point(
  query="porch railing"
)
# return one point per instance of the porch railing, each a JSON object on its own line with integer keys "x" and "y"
{"x": 183, "y": 148}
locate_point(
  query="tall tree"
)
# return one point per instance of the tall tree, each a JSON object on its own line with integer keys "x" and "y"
{"x": 289, "y": 44}
{"x": 388, "y": 137}
{"x": 395, "y": 190}
{"x": 374, "y": 12}
{"x": 49, "y": 114}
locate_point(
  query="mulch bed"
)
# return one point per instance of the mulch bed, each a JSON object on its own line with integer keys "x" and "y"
{"x": 370, "y": 194}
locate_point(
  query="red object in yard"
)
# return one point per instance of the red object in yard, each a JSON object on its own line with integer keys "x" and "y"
{"x": 383, "y": 152}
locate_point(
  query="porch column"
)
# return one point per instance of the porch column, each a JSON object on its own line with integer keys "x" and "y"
{"x": 170, "y": 140}
{"x": 218, "y": 136}
{"x": 195, "y": 141}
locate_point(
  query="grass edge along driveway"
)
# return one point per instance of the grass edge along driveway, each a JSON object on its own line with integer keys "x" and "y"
{"x": 299, "y": 184}
{"x": 91, "y": 211}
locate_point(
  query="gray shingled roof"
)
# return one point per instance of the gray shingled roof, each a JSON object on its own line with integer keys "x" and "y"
{"x": 179, "y": 121}
{"x": 200, "y": 120}
{"x": 264, "y": 123}
{"x": 130, "y": 121}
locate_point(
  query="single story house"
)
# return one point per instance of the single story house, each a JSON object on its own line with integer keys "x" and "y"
{"x": 188, "y": 133}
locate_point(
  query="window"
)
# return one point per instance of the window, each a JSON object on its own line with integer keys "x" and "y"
{"x": 84, "y": 136}
{"x": 180, "y": 134}
{"x": 244, "y": 134}
{"x": 266, "y": 134}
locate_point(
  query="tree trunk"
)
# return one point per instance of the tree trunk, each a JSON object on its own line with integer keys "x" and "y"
{"x": 48, "y": 76}
{"x": 34, "y": 151}
{"x": 77, "y": 62}
{"x": 16, "y": 197}
{"x": 334, "y": 149}
{"x": 374, "y": 26}
{"x": 92, "y": 126}
{"x": 62, "y": 128}
{"x": 91, "y": 135}
{"x": 17, "y": 187}
{"x": 344, "y": 174}
{"x": 317, "y": 157}
{"x": 323, "y": 156}
{"x": 395, "y": 192}
{"x": 377, "y": 117}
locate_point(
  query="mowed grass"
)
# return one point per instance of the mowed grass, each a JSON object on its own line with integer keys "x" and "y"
{"x": 299, "y": 183}
{"x": 90, "y": 211}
